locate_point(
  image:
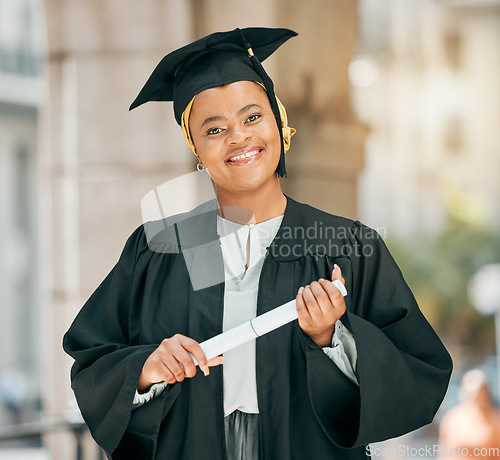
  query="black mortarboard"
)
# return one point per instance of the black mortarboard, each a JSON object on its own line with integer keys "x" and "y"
{"x": 216, "y": 60}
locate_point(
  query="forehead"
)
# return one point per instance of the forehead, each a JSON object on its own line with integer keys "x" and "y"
{"x": 231, "y": 97}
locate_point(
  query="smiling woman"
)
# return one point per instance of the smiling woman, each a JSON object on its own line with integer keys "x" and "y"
{"x": 350, "y": 371}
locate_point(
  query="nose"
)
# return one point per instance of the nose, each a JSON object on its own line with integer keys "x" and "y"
{"x": 238, "y": 135}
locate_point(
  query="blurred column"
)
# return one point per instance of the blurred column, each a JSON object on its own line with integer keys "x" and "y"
{"x": 98, "y": 160}
{"x": 327, "y": 153}
{"x": 20, "y": 89}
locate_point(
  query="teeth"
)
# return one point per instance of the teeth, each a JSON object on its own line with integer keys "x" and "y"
{"x": 243, "y": 155}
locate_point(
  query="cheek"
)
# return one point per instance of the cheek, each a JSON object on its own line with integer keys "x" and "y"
{"x": 274, "y": 139}
{"x": 209, "y": 152}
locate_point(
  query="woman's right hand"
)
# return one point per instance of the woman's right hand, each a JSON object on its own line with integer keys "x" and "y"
{"x": 171, "y": 362}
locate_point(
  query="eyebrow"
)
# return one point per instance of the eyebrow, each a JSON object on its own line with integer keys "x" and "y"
{"x": 220, "y": 118}
{"x": 249, "y": 106}
{"x": 211, "y": 119}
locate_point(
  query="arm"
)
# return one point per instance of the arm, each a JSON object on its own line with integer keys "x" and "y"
{"x": 107, "y": 365}
{"x": 319, "y": 308}
{"x": 111, "y": 363}
{"x": 402, "y": 367}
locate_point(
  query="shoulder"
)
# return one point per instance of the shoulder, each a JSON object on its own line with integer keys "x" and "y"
{"x": 303, "y": 214}
{"x": 185, "y": 230}
{"x": 308, "y": 231}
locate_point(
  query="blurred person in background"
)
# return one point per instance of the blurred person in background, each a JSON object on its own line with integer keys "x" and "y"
{"x": 472, "y": 429}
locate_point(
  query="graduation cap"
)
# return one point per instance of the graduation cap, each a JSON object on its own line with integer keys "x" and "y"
{"x": 216, "y": 60}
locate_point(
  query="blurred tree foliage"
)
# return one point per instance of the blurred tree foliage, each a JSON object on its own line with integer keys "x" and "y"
{"x": 439, "y": 269}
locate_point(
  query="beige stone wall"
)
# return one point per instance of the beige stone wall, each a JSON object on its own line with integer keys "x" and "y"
{"x": 98, "y": 160}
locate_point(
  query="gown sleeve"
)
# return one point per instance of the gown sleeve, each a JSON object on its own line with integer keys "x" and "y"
{"x": 402, "y": 367}
{"x": 108, "y": 363}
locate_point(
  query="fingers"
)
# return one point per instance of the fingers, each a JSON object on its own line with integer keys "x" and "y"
{"x": 337, "y": 274}
{"x": 171, "y": 362}
{"x": 321, "y": 301}
{"x": 302, "y": 311}
{"x": 193, "y": 347}
{"x": 320, "y": 298}
{"x": 177, "y": 360}
{"x": 335, "y": 296}
{"x": 316, "y": 301}
{"x": 316, "y": 318}
{"x": 216, "y": 361}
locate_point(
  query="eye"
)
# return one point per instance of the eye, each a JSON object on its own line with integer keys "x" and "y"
{"x": 253, "y": 117}
{"x": 213, "y": 131}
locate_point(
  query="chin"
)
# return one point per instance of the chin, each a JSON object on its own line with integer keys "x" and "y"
{"x": 252, "y": 183}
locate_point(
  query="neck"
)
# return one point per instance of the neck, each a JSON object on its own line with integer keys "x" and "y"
{"x": 253, "y": 206}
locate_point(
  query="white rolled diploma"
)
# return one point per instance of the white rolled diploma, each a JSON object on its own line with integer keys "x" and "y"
{"x": 254, "y": 328}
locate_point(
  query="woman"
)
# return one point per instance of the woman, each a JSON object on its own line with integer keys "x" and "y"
{"x": 348, "y": 372}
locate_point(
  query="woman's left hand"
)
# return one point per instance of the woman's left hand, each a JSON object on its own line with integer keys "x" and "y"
{"x": 319, "y": 306}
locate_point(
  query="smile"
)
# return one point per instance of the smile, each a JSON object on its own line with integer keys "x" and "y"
{"x": 245, "y": 157}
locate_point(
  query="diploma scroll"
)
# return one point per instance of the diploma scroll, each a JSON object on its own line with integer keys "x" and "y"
{"x": 254, "y": 328}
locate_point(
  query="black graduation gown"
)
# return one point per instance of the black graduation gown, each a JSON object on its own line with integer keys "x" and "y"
{"x": 308, "y": 407}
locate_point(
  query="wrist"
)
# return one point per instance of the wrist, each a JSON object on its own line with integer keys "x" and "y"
{"x": 324, "y": 339}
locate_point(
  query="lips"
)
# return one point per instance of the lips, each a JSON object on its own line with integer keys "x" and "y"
{"x": 245, "y": 156}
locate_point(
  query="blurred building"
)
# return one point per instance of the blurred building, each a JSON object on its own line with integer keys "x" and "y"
{"x": 20, "y": 99}
{"x": 426, "y": 79}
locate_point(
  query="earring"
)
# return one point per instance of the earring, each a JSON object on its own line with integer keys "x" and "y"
{"x": 200, "y": 167}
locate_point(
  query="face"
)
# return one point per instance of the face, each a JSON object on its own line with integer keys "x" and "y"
{"x": 236, "y": 137}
